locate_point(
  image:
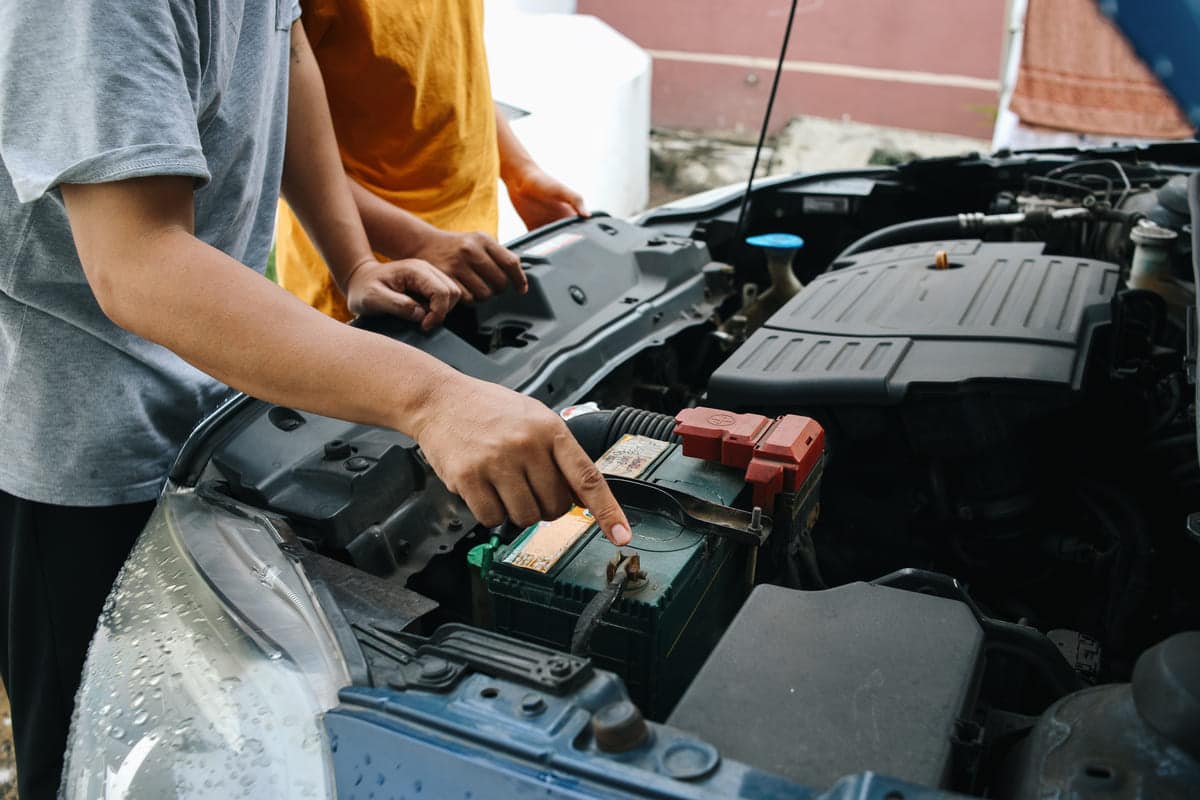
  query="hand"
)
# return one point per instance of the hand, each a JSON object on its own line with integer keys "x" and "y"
{"x": 393, "y": 288}
{"x": 507, "y": 455}
{"x": 479, "y": 264}
{"x": 540, "y": 199}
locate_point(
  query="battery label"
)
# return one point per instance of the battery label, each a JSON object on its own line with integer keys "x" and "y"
{"x": 630, "y": 456}
{"x": 546, "y": 544}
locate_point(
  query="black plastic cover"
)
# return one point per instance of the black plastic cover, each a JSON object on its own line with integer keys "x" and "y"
{"x": 600, "y": 291}
{"x": 352, "y": 488}
{"x": 817, "y": 685}
{"x": 870, "y": 332}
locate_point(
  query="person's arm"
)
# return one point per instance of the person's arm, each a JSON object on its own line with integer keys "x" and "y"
{"x": 476, "y": 264}
{"x": 479, "y": 264}
{"x": 506, "y": 454}
{"x": 538, "y": 198}
{"x": 315, "y": 186}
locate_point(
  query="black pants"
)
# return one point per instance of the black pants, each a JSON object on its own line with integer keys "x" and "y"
{"x": 58, "y": 564}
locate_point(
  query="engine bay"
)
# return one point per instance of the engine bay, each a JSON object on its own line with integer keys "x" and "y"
{"x": 908, "y": 496}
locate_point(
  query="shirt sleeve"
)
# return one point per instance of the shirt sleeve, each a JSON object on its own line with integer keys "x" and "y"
{"x": 93, "y": 91}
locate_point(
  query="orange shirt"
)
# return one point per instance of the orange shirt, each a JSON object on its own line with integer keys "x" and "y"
{"x": 412, "y": 108}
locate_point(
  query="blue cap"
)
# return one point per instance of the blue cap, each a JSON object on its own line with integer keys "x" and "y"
{"x": 776, "y": 241}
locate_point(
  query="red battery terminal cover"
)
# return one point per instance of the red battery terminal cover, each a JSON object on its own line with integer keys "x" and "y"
{"x": 778, "y": 455}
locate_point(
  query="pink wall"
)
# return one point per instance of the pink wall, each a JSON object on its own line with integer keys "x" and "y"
{"x": 948, "y": 42}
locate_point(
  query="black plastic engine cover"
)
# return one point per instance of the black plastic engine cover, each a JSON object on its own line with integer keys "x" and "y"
{"x": 1002, "y": 315}
{"x": 817, "y": 685}
{"x": 600, "y": 291}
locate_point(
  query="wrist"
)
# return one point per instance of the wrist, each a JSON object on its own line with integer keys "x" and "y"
{"x": 428, "y": 403}
{"x": 343, "y": 277}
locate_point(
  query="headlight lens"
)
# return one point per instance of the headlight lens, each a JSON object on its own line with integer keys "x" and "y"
{"x": 210, "y": 669}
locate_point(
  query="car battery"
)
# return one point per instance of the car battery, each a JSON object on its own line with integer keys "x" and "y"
{"x": 697, "y": 556}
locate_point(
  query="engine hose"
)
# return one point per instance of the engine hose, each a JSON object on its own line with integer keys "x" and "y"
{"x": 597, "y": 431}
{"x": 916, "y": 230}
{"x": 948, "y": 227}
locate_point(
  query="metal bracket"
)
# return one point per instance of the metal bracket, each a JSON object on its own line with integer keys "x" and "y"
{"x": 711, "y": 519}
{"x": 437, "y": 662}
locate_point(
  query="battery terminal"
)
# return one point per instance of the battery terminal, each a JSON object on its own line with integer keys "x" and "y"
{"x": 624, "y": 572}
{"x": 636, "y": 577}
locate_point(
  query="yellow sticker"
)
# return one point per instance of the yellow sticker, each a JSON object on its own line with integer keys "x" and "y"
{"x": 542, "y": 549}
{"x": 630, "y": 456}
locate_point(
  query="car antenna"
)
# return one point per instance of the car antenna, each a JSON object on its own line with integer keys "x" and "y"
{"x": 739, "y": 231}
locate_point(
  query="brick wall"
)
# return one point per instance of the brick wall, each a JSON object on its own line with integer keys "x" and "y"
{"x": 923, "y": 64}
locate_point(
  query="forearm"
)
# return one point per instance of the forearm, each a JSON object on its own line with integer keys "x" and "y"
{"x": 392, "y": 231}
{"x": 314, "y": 181}
{"x": 257, "y": 338}
{"x": 476, "y": 262}
{"x": 538, "y": 198}
{"x": 515, "y": 160}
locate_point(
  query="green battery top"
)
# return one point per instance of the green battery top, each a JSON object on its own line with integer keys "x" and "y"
{"x": 541, "y": 582}
{"x": 572, "y": 550}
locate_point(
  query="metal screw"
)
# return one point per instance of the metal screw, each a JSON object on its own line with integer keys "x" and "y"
{"x": 455, "y": 524}
{"x": 756, "y": 519}
{"x": 560, "y": 668}
{"x": 358, "y": 464}
{"x": 532, "y": 704}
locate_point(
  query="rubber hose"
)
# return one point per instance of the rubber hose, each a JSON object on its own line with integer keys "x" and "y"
{"x": 904, "y": 232}
{"x": 600, "y": 430}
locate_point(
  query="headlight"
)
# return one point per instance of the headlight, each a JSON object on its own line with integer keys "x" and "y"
{"x": 210, "y": 669}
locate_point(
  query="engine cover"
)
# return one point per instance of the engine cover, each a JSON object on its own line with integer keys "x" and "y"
{"x": 891, "y": 322}
{"x": 601, "y": 290}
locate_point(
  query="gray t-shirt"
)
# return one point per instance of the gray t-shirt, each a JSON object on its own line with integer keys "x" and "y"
{"x": 93, "y": 91}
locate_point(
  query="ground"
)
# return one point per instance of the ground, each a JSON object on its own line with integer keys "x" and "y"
{"x": 683, "y": 162}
